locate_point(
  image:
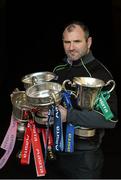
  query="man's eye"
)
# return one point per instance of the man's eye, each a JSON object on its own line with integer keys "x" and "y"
{"x": 77, "y": 41}
{"x": 66, "y": 42}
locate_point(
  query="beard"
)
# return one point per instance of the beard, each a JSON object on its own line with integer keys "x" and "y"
{"x": 75, "y": 55}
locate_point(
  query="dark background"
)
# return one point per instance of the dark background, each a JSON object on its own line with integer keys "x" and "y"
{"x": 30, "y": 41}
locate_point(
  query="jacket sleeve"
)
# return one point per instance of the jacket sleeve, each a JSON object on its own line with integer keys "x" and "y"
{"x": 89, "y": 119}
{"x": 94, "y": 119}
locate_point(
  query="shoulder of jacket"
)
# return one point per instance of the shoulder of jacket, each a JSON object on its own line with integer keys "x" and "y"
{"x": 105, "y": 68}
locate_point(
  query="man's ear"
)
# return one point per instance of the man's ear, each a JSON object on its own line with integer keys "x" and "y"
{"x": 89, "y": 42}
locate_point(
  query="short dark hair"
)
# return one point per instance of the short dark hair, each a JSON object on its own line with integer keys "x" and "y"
{"x": 70, "y": 26}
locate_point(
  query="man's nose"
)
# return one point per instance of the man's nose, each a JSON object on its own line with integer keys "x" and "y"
{"x": 71, "y": 47}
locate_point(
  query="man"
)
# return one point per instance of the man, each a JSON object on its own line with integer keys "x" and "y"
{"x": 87, "y": 159}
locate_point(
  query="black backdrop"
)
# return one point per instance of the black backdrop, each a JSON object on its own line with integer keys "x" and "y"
{"x": 31, "y": 42}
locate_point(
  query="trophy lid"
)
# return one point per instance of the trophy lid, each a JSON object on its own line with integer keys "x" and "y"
{"x": 37, "y": 77}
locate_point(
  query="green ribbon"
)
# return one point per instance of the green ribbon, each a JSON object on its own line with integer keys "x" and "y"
{"x": 101, "y": 103}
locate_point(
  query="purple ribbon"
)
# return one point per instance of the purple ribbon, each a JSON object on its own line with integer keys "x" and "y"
{"x": 8, "y": 142}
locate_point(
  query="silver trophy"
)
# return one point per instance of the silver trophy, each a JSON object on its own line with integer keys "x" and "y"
{"x": 42, "y": 96}
{"x": 21, "y": 111}
{"x": 86, "y": 90}
{"x": 33, "y": 79}
{"x": 22, "y": 108}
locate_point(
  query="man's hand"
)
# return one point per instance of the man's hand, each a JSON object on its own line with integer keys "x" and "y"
{"x": 63, "y": 112}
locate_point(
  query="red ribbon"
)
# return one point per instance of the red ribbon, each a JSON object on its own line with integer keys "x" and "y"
{"x": 32, "y": 137}
{"x": 37, "y": 150}
{"x": 26, "y": 147}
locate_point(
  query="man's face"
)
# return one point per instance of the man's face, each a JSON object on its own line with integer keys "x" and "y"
{"x": 75, "y": 43}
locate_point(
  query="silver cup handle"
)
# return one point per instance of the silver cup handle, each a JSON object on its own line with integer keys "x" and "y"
{"x": 64, "y": 84}
{"x": 113, "y": 86}
{"x": 71, "y": 84}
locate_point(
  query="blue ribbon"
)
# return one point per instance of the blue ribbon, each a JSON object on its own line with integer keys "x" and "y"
{"x": 66, "y": 97}
{"x": 69, "y": 142}
{"x": 69, "y": 145}
{"x": 58, "y": 131}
